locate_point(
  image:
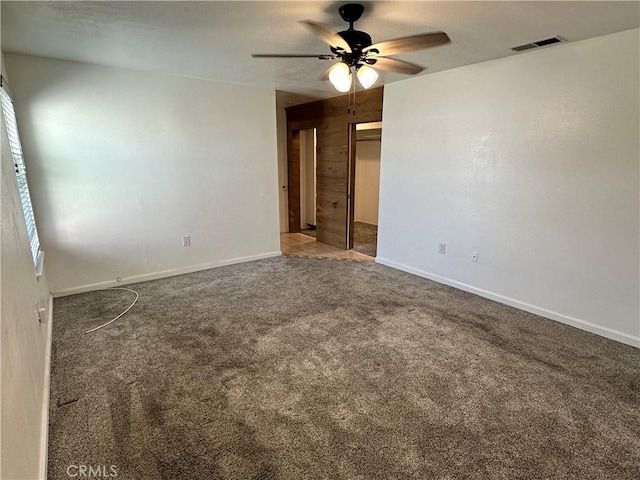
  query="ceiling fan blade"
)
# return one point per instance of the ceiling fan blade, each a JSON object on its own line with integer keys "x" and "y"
{"x": 395, "y": 65}
{"x": 321, "y": 56}
{"x": 323, "y": 31}
{"x": 409, "y": 44}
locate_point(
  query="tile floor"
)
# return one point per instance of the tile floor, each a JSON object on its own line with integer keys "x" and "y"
{"x": 301, "y": 245}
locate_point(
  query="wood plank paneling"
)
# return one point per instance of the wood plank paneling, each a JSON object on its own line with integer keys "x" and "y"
{"x": 332, "y": 183}
{"x": 293, "y": 168}
{"x": 332, "y": 122}
{"x": 334, "y": 169}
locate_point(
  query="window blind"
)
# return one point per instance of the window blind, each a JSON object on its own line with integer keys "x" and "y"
{"x": 21, "y": 171}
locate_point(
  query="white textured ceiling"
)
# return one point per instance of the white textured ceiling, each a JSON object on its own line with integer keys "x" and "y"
{"x": 214, "y": 40}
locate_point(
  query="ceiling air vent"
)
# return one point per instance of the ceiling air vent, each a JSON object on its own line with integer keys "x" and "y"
{"x": 539, "y": 43}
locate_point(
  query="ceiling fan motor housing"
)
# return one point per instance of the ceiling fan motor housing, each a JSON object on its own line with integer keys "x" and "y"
{"x": 357, "y": 40}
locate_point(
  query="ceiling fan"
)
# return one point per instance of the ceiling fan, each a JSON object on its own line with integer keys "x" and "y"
{"x": 356, "y": 52}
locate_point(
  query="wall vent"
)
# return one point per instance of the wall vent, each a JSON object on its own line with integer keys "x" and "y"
{"x": 539, "y": 43}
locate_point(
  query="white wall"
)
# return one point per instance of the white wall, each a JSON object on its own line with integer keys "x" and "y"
{"x": 533, "y": 161}
{"x": 24, "y": 339}
{"x": 125, "y": 163}
{"x": 367, "y": 181}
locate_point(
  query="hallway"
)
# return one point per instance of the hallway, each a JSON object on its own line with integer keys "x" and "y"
{"x": 301, "y": 245}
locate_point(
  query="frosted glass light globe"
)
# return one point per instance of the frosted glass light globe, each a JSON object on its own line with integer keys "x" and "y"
{"x": 367, "y": 76}
{"x": 340, "y": 77}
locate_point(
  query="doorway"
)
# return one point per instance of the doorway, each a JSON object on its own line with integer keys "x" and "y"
{"x": 334, "y": 161}
{"x": 308, "y": 146}
{"x": 366, "y": 188}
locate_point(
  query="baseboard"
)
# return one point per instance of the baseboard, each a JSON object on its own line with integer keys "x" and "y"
{"x": 527, "y": 307}
{"x": 44, "y": 433}
{"x": 162, "y": 274}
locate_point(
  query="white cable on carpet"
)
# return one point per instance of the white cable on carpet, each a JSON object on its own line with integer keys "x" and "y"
{"x": 128, "y": 308}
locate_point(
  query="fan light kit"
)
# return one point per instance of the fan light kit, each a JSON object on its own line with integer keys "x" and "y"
{"x": 340, "y": 76}
{"x": 367, "y": 76}
{"x": 356, "y": 52}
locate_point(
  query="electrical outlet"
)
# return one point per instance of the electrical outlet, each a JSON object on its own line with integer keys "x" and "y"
{"x": 442, "y": 248}
{"x": 474, "y": 256}
{"x": 186, "y": 241}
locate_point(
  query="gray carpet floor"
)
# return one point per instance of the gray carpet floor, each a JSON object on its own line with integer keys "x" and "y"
{"x": 305, "y": 368}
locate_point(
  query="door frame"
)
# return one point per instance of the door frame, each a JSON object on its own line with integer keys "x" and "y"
{"x": 351, "y": 193}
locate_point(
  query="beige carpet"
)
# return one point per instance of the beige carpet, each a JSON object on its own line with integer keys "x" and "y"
{"x": 302, "y": 368}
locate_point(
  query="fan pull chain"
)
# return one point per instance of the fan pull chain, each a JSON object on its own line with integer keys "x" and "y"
{"x": 349, "y": 102}
{"x": 352, "y": 91}
{"x": 349, "y": 96}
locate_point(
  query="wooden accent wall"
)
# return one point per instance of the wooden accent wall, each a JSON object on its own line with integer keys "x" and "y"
{"x": 293, "y": 178}
{"x": 334, "y": 159}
